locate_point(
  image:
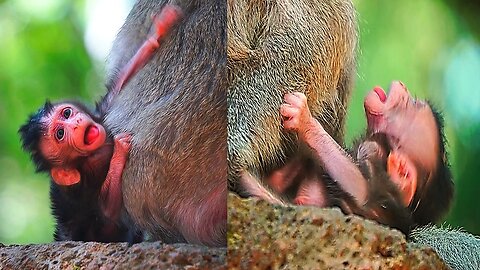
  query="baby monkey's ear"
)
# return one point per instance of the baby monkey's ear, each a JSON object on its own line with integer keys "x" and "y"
{"x": 403, "y": 173}
{"x": 65, "y": 176}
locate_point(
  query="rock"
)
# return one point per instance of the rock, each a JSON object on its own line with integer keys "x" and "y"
{"x": 260, "y": 236}
{"x": 264, "y": 236}
{"x": 92, "y": 255}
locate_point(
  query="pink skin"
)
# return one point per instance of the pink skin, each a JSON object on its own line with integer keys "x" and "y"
{"x": 408, "y": 123}
{"x": 311, "y": 192}
{"x": 111, "y": 191}
{"x": 335, "y": 161}
{"x": 282, "y": 178}
{"x": 74, "y": 142}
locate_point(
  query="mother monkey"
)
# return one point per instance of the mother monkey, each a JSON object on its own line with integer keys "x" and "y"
{"x": 275, "y": 47}
{"x": 174, "y": 184}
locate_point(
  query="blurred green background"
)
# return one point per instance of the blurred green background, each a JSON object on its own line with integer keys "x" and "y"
{"x": 56, "y": 49}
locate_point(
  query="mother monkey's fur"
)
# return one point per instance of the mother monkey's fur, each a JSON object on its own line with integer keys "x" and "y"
{"x": 174, "y": 184}
{"x": 275, "y": 47}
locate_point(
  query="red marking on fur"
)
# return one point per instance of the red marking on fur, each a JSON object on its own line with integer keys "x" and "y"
{"x": 91, "y": 134}
{"x": 166, "y": 19}
{"x": 162, "y": 23}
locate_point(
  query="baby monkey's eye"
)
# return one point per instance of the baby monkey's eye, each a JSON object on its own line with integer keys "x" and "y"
{"x": 67, "y": 112}
{"x": 60, "y": 134}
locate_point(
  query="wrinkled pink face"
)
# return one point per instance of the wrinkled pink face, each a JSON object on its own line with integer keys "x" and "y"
{"x": 70, "y": 133}
{"x": 409, "y": 124}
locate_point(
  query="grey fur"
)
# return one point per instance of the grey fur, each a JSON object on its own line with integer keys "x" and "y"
{"x": 459, "y": 249}
{"x": 175, "y": 107}
{"x": 279, "y": 46}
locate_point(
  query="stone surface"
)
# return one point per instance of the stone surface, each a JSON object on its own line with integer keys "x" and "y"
{"x": 260, "y": 236}
{"x": 91, "y": 255}
{"x": 263, "y": 236}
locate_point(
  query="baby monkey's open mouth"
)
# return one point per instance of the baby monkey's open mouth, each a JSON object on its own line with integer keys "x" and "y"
{"x": 91, "y": 134}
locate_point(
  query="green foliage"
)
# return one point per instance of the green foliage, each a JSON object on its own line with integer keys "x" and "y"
{"x": 40, "y": 58}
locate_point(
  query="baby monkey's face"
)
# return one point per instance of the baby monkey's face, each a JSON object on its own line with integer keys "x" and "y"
{"x": 411, "y": 131}
{"x": 70, "y": 133}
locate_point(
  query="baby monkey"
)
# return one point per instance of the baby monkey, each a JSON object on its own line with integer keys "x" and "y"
{"x": 85, "y": 162}
{"x": 397, "y": 174}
